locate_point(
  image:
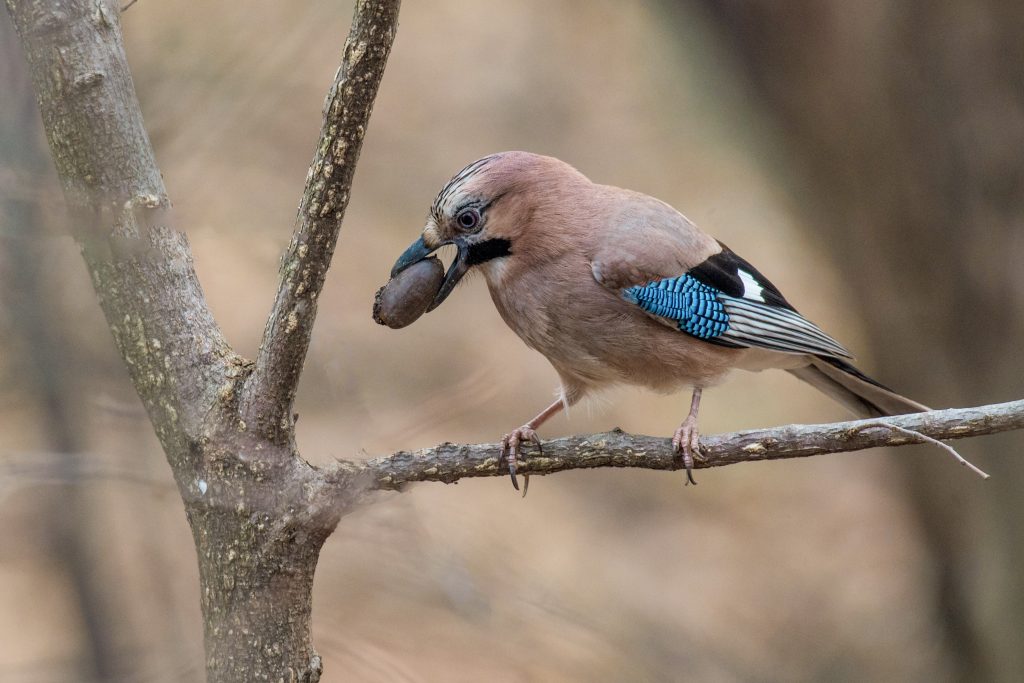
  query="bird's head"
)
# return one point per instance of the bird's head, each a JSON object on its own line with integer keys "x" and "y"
{"x": 489, "y": 210}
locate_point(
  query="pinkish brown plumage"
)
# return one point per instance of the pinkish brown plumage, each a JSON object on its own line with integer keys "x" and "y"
{"x": 613, "y": 286}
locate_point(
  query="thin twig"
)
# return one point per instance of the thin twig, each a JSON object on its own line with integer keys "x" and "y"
{"x": 944, "y": 446}
{"x": 125, "y": 7}
{"x": 451, "y": 462}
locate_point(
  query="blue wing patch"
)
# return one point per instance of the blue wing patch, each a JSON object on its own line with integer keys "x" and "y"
{"x": 692, "y": 305}
{"x": 706, "y": 312}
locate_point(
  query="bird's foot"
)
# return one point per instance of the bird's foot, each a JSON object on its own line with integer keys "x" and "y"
{"x": 510, "y": 452}
{"x": 686, "y": 441}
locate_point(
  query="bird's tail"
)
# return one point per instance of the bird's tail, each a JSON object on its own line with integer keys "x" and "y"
{"x": 853, "y": 389}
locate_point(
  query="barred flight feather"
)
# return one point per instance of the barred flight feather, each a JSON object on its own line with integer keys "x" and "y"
{"x": 753, "y": 323}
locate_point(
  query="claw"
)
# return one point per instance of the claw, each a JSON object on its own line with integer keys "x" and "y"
{"x": 686, "y": 439}
{"x": 510, "y": 451}
{"x": 508, "y": 454}
{"x": 532, "y": 436}
{"x": 688, "y": 463}
{"x": 692, "y": 454}
{"x": 685, "y": 442}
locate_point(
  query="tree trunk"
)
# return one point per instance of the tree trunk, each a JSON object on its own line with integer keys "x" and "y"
{"x": 257, "y": 557}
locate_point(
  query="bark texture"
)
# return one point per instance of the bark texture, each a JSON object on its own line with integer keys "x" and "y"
{"x": 450, "y": 462}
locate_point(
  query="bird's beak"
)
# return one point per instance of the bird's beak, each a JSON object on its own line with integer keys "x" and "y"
{"x": 416, "y": 252}
{"x": 419, "y": 250}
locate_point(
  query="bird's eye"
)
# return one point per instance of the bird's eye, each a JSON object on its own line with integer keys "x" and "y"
{"x": 468, "y": 219}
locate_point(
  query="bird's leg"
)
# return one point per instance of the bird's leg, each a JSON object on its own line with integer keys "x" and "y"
{"x": 686, "y": 437}
{"x": 510, "y": 444}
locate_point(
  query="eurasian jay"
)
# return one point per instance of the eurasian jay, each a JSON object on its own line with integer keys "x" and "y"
{"x": 613, "y": 286}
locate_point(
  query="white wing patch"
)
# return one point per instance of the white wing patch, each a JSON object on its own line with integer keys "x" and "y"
{"x": 751, "y": 289}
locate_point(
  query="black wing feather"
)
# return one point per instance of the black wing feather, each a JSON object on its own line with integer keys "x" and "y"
{"x": 721, "y": 271}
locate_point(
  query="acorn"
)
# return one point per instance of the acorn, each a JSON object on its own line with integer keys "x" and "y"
{"x": 408, "y": 295}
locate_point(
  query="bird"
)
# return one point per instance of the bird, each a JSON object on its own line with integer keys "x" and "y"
{"x": 613, "y": 286}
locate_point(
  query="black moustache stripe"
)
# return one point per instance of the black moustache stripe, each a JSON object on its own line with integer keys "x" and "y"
{"x": 481, "y": 252}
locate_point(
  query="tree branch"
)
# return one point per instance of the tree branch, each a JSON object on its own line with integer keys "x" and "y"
{"x": 141, "y": 267}
{"x": 270, "y": 391}
{"x": 450, "y": 462}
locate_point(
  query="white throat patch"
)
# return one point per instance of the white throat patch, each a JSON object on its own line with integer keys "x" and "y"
{"x": 496, "y": 269}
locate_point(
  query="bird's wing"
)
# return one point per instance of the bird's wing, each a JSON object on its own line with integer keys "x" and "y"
{"x": 646, "y": 240}
{"x": 723, "y": 299}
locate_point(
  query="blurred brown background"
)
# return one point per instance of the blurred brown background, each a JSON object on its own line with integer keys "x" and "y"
{"x": 868, "y": 157}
